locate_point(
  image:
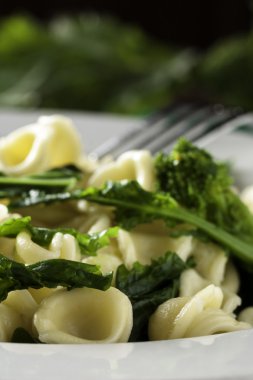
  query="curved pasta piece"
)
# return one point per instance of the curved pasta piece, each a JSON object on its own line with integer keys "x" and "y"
{"x": 108, "y": 262}
{"x": 102, "y": 223}
{"x": 192, "y": 282}
{"x": 230, "y": 301}
{"x": 66, "y": 246}
{"x": 29, "y": 252}
{"x": 214, "y": 321}
{"x": 144, "y": 246}
{"x": 211, "y": 261}
{"x": 89, "y": 218}
{"x": 84, "y": 316}
{"x": 246, "y": 315}
{"x": 40, "y": 294}
{"x": 65, "y": 143}
{"x": 7, "y": 245}
{"x": 231, "y": 280}
{"x": 24, "y": 304}
{"x": 52, "y": 141}
{"x": 62, "y": 246}
{"x": 133, "y": 165}
{"x": 192, "y": 316}
{"x": 9, "y": 321}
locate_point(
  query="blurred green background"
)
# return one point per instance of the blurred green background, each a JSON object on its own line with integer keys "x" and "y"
{"x": 97, "y": 63}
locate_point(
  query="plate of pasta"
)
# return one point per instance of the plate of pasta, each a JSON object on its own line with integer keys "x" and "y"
{"x": 139, "y": 267}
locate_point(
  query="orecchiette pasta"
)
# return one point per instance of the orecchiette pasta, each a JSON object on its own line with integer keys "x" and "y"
{"x": 246, "y": 315}
{"x": 84, "y": 316}
{"x": 193, "y": 316}
{"x": 62, "y": 246}
{"x": 211, "y": 261}
{"x": 9, "y": 321}
{"x": 191, "y": 282}
{"x": 143, "y": 246}
{"x": 206, "y": 288}
{"x": 51, "y": 142}
{"x": 22, "y": 302}
{"x": 130, "y": 165}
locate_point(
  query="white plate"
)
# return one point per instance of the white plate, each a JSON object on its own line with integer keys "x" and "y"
{"x": 225, "y": 356}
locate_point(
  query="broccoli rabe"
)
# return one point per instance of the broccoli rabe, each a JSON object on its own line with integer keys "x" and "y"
{"x": 193, "y": 189}
{"x": 200, "y": 184}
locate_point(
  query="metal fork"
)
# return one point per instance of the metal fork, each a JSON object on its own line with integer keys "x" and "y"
{"x": 160, "y": 131}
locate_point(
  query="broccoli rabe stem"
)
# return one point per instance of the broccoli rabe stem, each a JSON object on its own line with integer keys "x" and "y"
{"x": 239, "y": 248}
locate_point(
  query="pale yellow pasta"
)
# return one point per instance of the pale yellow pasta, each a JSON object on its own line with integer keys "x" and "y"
{"x": 66, "y": 245}
{"x": 192, "y": 282}
{"x": 84, "y": 316}
{"x": 143, "y": 246}
{"x": 7, "y": 245}
{"x": 133, "y": 165}
{"x": 52, "y": 141}
{"x": 62, "y": 246}
{"x": 108, "y": 262}
{"x": 211, "y": 261}
{"x": 10, "y": 320}
{"x": 102, "y": 223}
{"x": 24, "y": 304}
{"x": 231, "y": 281}
{"x": 193, "y": 316}
{"x": 246, "y": 315}
{"x": 230, "y": 301}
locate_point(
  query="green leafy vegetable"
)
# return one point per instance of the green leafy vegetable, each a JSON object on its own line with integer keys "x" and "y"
{"x": 49, "y": 273}
{"x": 200, "y": 184}
{"x": 133, "y": 205}
{"x": 88, "y": 243}
{"x": 148, "y": 286}
{"x": 51, "y": 181}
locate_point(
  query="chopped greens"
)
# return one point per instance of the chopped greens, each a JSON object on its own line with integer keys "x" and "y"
{"x": 202, "y": 185}
{"x": 88, "y": 243}
{"x": 51, "y": 181}
{"x": 50, "y": 274}
{"x": 134, "y": 205}
{"x": 148, "y": 286}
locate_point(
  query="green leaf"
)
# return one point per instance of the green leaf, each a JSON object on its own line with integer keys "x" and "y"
{"x": 144, "y": 307}
{"x": 143, "y": 279}
{"x": 13, "y": 226}
{"x": 88, "y": 243}
{"x": 147, "y": 286}
{"x": 50, "y": 273}
{"x": 35, "y": 185}
{"x": 134, "y": 205}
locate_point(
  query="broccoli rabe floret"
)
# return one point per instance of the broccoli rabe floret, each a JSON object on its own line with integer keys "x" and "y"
{"x": 201, "y": 184}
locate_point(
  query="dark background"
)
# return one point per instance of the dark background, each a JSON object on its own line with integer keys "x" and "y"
{"x": 183, "y": 22}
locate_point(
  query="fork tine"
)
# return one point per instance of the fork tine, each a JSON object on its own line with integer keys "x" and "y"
{"x": 163, "y": 119}
{"x": 218, "y": 116}
{"x": 162, "y": 129}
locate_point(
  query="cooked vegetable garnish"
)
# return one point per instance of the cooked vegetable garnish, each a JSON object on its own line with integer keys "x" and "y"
{"x": 88, "y": 243}
{"x": 148, "y": 286}
{"x": 50, "y": 274}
